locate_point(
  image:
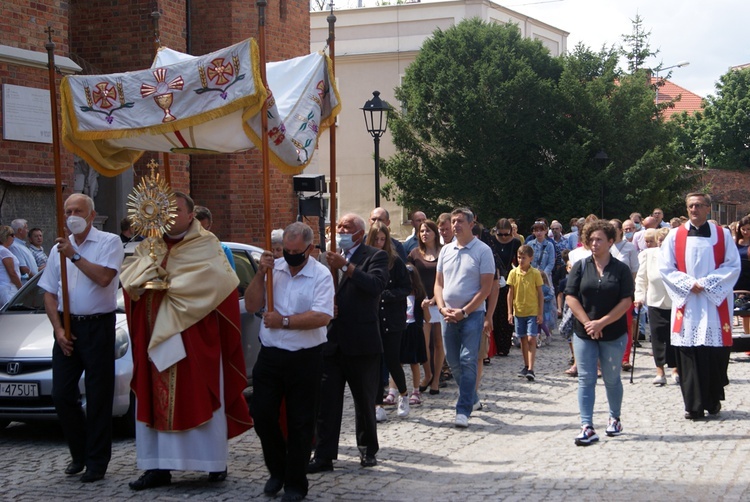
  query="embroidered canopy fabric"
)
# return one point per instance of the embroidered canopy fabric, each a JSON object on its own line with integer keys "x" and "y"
{"x": 193, "y": 105}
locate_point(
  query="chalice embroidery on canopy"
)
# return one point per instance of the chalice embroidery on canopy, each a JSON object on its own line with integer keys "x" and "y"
{"x": 151, "y": 210}
{"x": 163, "y": 97}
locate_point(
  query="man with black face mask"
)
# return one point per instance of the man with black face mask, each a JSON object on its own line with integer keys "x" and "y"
{"x": 290, "y": 361}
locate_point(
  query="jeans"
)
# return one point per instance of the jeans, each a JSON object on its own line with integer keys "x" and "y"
{"x": 461, "y": 341}
{"x": 609, "y": 355}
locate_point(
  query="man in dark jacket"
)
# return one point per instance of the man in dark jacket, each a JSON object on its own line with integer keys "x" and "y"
{"x": 353, "y": 350}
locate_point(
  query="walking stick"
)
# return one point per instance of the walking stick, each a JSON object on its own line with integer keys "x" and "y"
{"x": 633, "y": 340}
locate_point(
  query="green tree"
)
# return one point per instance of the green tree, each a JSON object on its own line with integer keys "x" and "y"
{"x": 495, "y": 123}
{"x": 719, "y": 136}
{"x": 636, "y": 47}
{"x": 481, "y": 105}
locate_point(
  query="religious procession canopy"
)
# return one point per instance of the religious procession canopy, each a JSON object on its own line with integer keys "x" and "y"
{"x": 194, "y": 105}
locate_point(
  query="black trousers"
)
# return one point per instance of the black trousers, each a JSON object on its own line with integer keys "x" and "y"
{"x": 392, "y": 363}
{"x": 502, "y": 330}
{"x": 89, "y": 434}
{"x": 703, "y": 376}
{"x": 295, "y": 377}
{"x": 661, "y": 333}
{"x": 362, "y": 373}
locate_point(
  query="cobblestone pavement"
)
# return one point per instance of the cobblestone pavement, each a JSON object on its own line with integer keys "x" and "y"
{"x": 519, "y": 447}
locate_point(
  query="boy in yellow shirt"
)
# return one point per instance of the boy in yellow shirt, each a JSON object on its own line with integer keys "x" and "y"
{"x": 526, "y": 301}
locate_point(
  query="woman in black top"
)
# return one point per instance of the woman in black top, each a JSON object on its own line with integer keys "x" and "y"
{"x": 599, "y": 292}
{"x": 505, "y": 250}
{"x": 392, "y": 320}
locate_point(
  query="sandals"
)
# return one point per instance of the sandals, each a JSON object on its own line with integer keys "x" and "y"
{"x": 390, "y": 398}
{"x": 572, "y": 371}
{"x": 415, "y": 398}
{"x": 424, "y": 387}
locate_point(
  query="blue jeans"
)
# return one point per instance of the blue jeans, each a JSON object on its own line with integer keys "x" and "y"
{"x": 609, "y": 355}
{"x": 526, "y": 326}
{"x": 461, "y": 341}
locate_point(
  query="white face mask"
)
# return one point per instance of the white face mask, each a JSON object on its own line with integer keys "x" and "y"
{"x": 344, "y": 241}
{"x": 76, "y": 224}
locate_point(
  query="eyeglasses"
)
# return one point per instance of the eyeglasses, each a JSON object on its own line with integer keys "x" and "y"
{"x": 503, "y": 234}
{"x": 539, "y": 222}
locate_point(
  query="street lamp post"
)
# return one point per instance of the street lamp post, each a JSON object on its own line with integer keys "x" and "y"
{"x": 601, "y": 159}
{"x": 376, "y": 120}
{"x": 659, "y": 69}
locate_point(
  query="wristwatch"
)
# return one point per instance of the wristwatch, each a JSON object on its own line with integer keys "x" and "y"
{"x": 285, "y": 322}
{"x": 345, "y": 267}
{"x": 75, "y": 257}
{"x": 463, "y": 311}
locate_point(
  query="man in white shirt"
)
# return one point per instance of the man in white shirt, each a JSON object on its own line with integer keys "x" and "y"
{"x": 26, "y": 260}
{"x": 93, "y": 264}
{"x": 289, "y": 365}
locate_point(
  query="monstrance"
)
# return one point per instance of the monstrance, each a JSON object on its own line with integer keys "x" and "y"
{"x": 151, "y": 209}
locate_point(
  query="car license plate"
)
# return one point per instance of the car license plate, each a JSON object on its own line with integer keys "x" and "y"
{"x": 19, "y": 389}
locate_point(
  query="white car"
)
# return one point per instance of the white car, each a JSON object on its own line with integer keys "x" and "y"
{"x": 26, "y": 342}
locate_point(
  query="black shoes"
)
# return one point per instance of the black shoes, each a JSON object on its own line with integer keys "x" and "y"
{"x": 91, "y": 477}
{"x": 318, "y": 464}
{"x": 292, "y": 497}
{"x": 151, "y": 479}
{"x": 74, "y": 468}
{"x": 368, "y": 461}
{"x": 694, "y": 415}
{"x": 216, "y": 477}
{"x": 715, "y": 410}
{"x": 273, "y": 486}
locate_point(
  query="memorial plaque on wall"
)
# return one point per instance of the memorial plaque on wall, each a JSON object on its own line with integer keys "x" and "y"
{"x": 27, "y": 114}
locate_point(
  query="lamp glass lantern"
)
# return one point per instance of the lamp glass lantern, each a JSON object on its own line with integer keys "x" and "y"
{"x": 376, "y": 112}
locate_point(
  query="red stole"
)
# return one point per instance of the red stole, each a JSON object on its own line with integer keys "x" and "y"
{"x": 680, "y": 245}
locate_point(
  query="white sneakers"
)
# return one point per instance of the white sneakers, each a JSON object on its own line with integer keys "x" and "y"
{"x": 380, "y": 414}
{"x": 462, "y": 421}
{"x": 402, "y": 411}
{"x": 403, "y": 406}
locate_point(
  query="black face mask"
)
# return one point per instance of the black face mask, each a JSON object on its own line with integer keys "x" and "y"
{"x": 295, "y": 260}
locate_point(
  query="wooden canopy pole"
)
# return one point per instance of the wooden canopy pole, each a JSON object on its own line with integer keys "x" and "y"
{"x": 264, "y": 146}
{"x": 332, "y": 186}
{"x": 59, "y": 209}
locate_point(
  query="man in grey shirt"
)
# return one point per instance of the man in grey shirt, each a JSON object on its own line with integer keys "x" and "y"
{"x": 465, "y": 271}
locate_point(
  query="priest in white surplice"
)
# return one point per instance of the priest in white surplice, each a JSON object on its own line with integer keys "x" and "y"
{"x": 700, "y": 265}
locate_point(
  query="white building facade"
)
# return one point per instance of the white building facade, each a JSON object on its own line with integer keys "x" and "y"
{"x": 373, "y": 48}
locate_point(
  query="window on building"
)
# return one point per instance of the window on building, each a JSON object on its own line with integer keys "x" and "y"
{"x": 724, "y": 213}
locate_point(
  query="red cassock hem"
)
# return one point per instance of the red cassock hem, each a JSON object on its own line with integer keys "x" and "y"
{"x": 186, "y": 395}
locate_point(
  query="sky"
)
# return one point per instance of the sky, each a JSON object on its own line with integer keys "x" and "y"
{"x": 711, "y": 35}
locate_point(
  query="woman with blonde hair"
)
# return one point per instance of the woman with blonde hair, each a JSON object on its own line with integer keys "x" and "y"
{"x": 650, "y": 291}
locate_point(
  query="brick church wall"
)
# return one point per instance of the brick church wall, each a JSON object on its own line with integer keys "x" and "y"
{"x": 114, "y": 36}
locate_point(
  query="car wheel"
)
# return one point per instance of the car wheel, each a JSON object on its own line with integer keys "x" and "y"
{"x": 125, "y": 425}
